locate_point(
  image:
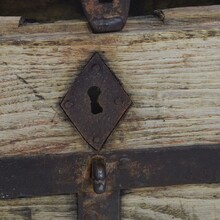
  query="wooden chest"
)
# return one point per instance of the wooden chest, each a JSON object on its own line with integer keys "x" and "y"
{"x": 171, "y": 71}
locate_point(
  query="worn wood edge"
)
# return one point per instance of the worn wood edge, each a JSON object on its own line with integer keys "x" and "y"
{"x": 174, "y": 18}
{"x": 55, "y": 9}
{"x": 192, "y": 202}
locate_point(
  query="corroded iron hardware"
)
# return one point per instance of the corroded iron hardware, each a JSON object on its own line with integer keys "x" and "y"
{"x": 125, "y": 169}
{"x": 95, "y": 103}
{"x": 106, "y": 15}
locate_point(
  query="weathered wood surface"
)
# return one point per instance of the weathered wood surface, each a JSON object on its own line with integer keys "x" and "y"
{"x": 166, "y": 203}
{"x": 172, "y": 72}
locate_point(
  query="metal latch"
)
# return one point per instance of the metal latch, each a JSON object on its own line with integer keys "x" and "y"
{"x": 95, "y": 104}
{"x": 106, "y": 15}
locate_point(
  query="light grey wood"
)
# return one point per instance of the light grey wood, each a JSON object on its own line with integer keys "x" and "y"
{"x": 190, "y": 202}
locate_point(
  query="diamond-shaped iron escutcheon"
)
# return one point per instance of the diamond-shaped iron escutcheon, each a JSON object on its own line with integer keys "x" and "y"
{"x": 96, "y": 102}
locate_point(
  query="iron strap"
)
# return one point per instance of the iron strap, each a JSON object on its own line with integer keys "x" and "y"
{"x": 125, "y": 169}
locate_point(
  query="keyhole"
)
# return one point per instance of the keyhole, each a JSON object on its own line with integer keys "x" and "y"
{"x": 94, "y": 93}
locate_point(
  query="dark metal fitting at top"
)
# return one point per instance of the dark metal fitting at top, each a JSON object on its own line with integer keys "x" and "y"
{"x": 106, "y": 15}
{"x": 99, "y": 175}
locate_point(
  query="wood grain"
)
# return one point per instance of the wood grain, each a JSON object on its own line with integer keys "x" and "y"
{"x": 189, "y": 202}
{"x": 171, "y": 71}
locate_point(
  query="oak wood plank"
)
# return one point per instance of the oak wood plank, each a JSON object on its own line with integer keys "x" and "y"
{"x": 171, "y": 71}
{"x": 191, "y": 202}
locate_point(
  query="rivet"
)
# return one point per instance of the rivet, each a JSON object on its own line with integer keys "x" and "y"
{"x": 96, "y": 140}
{"x": 124, "y": 162}
{"x": 96, "y": 68}
{"x": 118, "y": 101}
{"x": 68, "y": 104}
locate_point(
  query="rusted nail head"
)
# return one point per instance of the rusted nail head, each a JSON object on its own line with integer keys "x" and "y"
{"x": 124, "y": 162}
{"x": 96, "y": 140}
{"x": 68, "y": 104}
{"x": 96, "y": 68}
{"x": 118, "y": 101}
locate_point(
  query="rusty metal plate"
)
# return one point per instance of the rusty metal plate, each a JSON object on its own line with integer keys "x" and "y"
{"x": 106, "y": 15}
{"x": 96, "y": 102}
